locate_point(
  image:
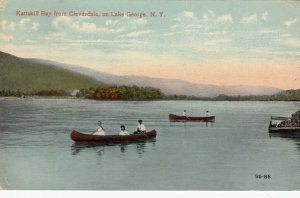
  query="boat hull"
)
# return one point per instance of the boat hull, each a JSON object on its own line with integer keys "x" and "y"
{"x": 111, "y": 139}
{"x": 284, "y": 130}
{"x": 176, "y": 118}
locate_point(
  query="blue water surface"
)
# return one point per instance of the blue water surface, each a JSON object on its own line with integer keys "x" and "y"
{"x": 235, "y": 152}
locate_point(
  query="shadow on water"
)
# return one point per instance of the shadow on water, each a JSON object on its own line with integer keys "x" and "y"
{"x": 141, "y": 147}
{"x": 292, "y": 136}
{"x": 184, "y": 123}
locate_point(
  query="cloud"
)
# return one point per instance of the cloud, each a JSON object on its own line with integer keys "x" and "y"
{"x": 5, "y": 37}
{"x": 208, "y": 15}
{"x": 188, "y": 14}
{"x": 66, "y": 23}
{"x": 2, "y": 5}
{"x": 86, "y": 27}
{"x": 225, "y": 18}
{"x": 112, "y": 23}
{"x": 285, "y": 35}
{"x": 264, "y": 16}
{"x": 267, "y": 31}
{"x": 186, "y": 17}
{"x": 138, "y": 33}
{"x": 59, "y": 21}
{"x": 209, "y": 25}
{"x": 211, "y": 16}
{"x": 7, "y": 25}
{"x": 28, "y": 42}
{"x": 185, "y": 22}
{"x": 56, "y": 36}
{"x": 250, "y": 19}
{"x": 217, "y": 33}
{"x": 35, "y": 26}
{"x": 169, "y": 34}
{"x": 140, "y": 21}
{"x": 292, "y": 42}
{"x": 23, "y": 24}
{"x": 28, "y": 23}
{"x": 270, "y": 52}
{"x": 290, "y": 22}
{"x": 216, "y": 42}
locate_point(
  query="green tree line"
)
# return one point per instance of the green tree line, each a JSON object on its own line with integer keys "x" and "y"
{"x": 147, "y": 93}
{"x": 124, "y": 93}
{"x": 99, "y": 93}
{"x": 289, "y": 95}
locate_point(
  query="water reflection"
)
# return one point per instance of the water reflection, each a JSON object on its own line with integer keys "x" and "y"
{"x": 141, "y": 147}
{"x": 123, "y": 148}
{"x": 183, "y": 123}
{"x": 292, "y": 136}
{"x": 78, "y": 147}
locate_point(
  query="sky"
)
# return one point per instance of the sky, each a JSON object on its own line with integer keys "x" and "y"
{"x": 233, "y": 42}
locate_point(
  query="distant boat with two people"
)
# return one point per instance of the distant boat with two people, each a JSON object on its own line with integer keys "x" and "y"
{"x": 186, "y": 118}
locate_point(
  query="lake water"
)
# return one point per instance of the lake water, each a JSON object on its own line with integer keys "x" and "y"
{"x": 234, "y": 153}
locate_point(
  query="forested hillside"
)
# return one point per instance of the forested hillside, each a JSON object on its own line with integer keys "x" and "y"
{"x": 17, "y": 74}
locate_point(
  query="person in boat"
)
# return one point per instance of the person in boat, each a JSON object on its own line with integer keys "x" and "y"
{"x": 207, "y": 114}
{"x": 99, "y": 130}
{"x": 123, "y": 131}
{"x": 140, "y": 128}
{"x": 184, "y": 113}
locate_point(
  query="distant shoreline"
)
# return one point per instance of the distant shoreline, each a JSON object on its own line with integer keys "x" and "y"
{"x": 40, "y": 97}
{"x": 165, "y": 99}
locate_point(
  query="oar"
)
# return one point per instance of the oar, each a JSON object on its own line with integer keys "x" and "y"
{"x": 187, "y": 118}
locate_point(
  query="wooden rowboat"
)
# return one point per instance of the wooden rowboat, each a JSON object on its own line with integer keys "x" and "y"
{"x": 111, "y": 139}
{"x": 176, "y": 118}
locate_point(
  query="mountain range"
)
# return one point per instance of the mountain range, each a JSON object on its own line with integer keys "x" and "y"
{"x": 167, "y": 86}
{"x": 33, "y": 74}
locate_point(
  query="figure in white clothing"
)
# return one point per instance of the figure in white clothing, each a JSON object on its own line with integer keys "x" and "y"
{"x": 207, "y": 114}
{"x": 99, "y": 130}
{"x": 140, "y": 128}
{"x": 123, "y": 131}
{"x": 184, "y": 113}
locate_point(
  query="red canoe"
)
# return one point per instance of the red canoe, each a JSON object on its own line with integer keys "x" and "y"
{"x": 109, "y": 139}
{"x": 176, "y": 118}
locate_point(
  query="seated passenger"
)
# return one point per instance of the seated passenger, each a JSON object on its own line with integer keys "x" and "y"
{"x": 99, "y": 130}
{"x": 123, "y": 131}
{"x": 140, "y": 128}
{"x": 207, "y": 114}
